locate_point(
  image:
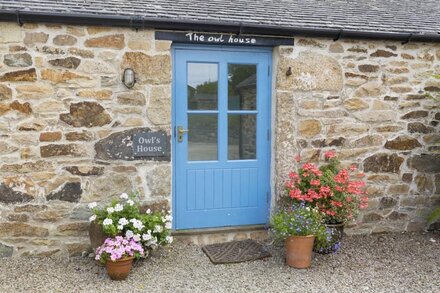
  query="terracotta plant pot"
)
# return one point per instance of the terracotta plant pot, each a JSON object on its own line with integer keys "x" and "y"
{"x": 299, "y": 251}
{"x": 119, "y": 270}
{"x": 97, "y": 235}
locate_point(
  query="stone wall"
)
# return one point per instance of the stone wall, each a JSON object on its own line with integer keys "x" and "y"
{"x": 371, "y": 102}
{"x": 65, "y": 122}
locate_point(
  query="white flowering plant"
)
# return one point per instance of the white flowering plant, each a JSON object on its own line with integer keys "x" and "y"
{"x": 123, "y": 217}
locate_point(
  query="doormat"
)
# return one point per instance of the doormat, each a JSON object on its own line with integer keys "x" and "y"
{"x": 235, "y": 251}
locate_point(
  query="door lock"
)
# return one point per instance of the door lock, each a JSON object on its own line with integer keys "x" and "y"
{"x": 180, "y": 132}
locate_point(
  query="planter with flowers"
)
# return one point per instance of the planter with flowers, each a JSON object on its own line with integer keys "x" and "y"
{"x": 123, "y": 218}
{"x": 298, "y": 225}
{"x": 117, "y": 254}
{"x": 336, "y": 192}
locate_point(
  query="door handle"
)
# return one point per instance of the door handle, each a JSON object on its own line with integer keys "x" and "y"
{"x": 180, "y": 132}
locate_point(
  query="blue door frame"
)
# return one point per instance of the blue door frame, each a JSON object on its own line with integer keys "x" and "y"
{"x": 220, "y": 191}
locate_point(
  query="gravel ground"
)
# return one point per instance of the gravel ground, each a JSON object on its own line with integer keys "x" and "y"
{"x": 379, "y": 263}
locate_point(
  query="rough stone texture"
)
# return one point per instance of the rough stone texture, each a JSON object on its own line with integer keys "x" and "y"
{"x": 389, "y": 126}
{"x": 27, "y": 167}
{"x": 415, "y": 114}
{"x": 16, "y": 229}
{"x": 159, "y": 181}
{"x": 69, "y": 62}
{"x": 159, "y": 108}
{"x": 6, "y": 250}
{"x": 309, "y": 128}
{"x": 383, "y": 163}
{"x": 20, "y": 75}
{"x": 64, "y": 40}
{"x": 155, "y": 206}
{"x": 9, "y": 195}
{"x": 66, "y": 122}
{"x": 70, "y": 192}
{"x": 429, "y": 163}
{"x": 86, "y": 114}
{"x": 54, "y": 150}
{"x": 368, "y": 68}
{"x": 24, "y": 108}
{"x": 34, "y": 38}
{"x": 308, "y": 74}
{"x": 149, "y": 69}
{"x": 5, "y": 92}
{"x": 118, "y": 146}
{"x": 111, "y": 41}
{"x": 382, "y": 53}
{"x": 62, "y": 76}
{"x": 418, "y": 127}
{"x": 18, "y": 60}
{"x": 355, "y": 104}
{"x": 96, "y": 94}
{"x": 402, "y": 142}
{"x": 79, "y": 136}
{"x": 81, "y": 52}
{"x": 50, "y": 136}
{"x": 85, "y": 170}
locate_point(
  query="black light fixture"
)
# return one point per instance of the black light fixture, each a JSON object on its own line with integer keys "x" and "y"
{"x": 128, "y": 78}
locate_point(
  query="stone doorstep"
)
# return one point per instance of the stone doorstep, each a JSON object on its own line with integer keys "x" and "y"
{"x": 203, "y": 237}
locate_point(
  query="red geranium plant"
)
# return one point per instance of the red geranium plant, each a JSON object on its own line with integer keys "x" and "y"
{"x": 336, "y": 192}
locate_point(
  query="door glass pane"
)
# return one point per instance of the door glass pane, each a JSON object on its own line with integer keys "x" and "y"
{"x": 202, "y": 137}
{"x": 242, "y": 136}
{"x": 242, "y": 87}
{"x": 202, "y": 86}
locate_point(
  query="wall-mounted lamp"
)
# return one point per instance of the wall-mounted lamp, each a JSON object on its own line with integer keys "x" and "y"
{"x": 128, "y": 78}
{"x": 289, "y": 71}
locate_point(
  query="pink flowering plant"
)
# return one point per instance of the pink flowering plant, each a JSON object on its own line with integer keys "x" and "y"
{"x": 336, "y": 192}
{"x": 118, "y": 248}
{"x": 123, "y": 218}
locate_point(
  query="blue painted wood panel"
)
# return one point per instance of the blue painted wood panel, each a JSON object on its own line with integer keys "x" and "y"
{"x": 218, "y": 191}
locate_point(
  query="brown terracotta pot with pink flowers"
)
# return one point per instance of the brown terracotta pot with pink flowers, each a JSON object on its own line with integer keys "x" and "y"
{"x": 117, "y": 254}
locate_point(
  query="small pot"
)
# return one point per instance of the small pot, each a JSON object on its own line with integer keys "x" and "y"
{"x": 299, "y": 251}
{"x": 118, "y": 270}
{"x": 335, "y": 242}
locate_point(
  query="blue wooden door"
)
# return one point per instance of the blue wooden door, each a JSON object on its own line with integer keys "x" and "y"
{"x": 221, "y": 138}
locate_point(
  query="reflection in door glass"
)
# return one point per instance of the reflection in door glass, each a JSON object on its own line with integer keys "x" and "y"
{"x": 242, "y": 87}
{"x": 242, "y": 138}
{"x": 202, "y": 137}
{"x": 202, "y": 86}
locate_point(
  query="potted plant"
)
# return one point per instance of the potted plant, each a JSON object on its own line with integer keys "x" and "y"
{"x": 298, "y": 225}
{"x": 336, "y": 192}
{"x": 117, "y": 254}
{"x": 123, "y": 218}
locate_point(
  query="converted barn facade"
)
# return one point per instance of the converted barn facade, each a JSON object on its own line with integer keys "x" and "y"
{"x": 224, "y": 96}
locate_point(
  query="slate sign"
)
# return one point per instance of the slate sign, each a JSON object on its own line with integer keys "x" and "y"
{"x": 149, "y": 144}
{"x": 222, "y": 39}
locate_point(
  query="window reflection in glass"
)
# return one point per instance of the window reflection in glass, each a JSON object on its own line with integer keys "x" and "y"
{"x": 202, "y": 137}
{"x": 242, "y": 137}
{"x": 242, "y": 87}
{"x": 202, "y": 86}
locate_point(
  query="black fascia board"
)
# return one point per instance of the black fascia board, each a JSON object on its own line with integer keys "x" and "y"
{"x": 137, "y": 22}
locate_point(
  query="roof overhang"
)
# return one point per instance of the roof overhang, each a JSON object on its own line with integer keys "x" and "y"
{"x": 208, "y": 26}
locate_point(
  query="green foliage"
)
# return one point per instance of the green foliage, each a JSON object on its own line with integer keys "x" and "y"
{"x": 434, "y": 216}
{"x": 124, "y": 218}
{"x": 298, "y": 220}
